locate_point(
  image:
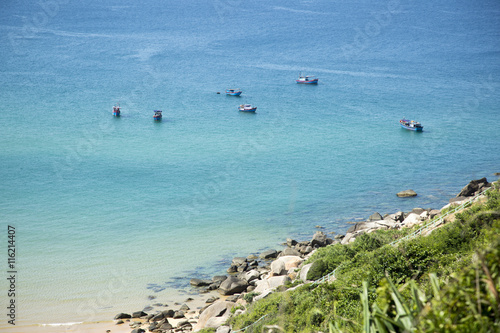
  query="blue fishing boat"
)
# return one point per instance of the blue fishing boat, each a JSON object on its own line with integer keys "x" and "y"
{"x": 307, "y": 80}
{"x": 247, "y": 108}
{"x": 116, "y": 110}
{"x": 233, "y": 92}
{"x": 157, "y": 116}
{"x": 411, "y": 125}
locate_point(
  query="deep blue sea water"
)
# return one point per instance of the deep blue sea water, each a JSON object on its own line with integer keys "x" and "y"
{"x": 108, "y": 211}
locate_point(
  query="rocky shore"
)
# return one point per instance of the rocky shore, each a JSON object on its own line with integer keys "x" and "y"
{"x": 256, "y": 276}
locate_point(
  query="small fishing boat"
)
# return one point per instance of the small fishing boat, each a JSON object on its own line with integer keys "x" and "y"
{"x": 411, "y": 125}
{"x": 307, "y": 80}
{"x": 247, "y": 108}
{"x": 116, "y": 110}
{"x": 233, "y": 92}
{"x": 157, "y": 115}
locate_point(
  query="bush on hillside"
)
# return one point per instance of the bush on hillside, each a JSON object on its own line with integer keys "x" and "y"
{"x": 367, "y": 242}
{"x": 318, "y": 269}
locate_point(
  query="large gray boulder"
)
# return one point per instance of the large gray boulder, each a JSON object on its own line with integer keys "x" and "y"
{"x": 278, "y": 267}
{"x": 358, "y": 227}
{"x": 396, "y": 217}
{"x": 139, "y": 314}
{"x": 433, "y": 213}
{"x": 304, "y": 248}
{"x": 384, "y": 224}
{"x": 179, "y": 314}
{"x": 271, "y": 283}
{"x": 474, "y": 187}
{"x": 347, "y": 238}
{"x": 282, "y": 265}
{"x": 251, "y": 275}
{"x": 417, "y": 210}
{"x": 232, "y": 285}
{"x": 158, "y": 317}
{"x": 319, "y": 239}
{"x": 215, "y": 315}
{"x": 304, "y": 271}
{"x": 122, "y": 316}
{"x": 291, "y": 261}
{"x": 289, "y": 252}
{"x": 365, "y": 226}
{"x": 411, "y": 220}
{"x": 375, "y": 217}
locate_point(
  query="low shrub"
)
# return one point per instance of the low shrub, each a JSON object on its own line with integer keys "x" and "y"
{"x": 318, "y": 269}
{"x": 367, "y": 242}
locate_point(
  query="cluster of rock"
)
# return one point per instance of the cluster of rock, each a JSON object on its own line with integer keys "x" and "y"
{"x": 260, "y": 275}
{"x": 257, "y": 274}
{"x": 158, "y": 322}
{"x": 410, "y": 219}
{"x": 389, "y": 221}
{"x": 473, "y": 188}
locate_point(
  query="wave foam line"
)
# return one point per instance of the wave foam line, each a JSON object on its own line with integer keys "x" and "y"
{"x": 62, "y": 324}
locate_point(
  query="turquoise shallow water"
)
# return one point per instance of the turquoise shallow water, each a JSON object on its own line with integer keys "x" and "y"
{"x": 135, "y": 207}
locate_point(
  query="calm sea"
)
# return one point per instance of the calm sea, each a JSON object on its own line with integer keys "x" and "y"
{"x": 110, "y": 211}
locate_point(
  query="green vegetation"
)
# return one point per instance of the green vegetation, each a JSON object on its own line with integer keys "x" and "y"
{"x": 448, "y": 281}
{"x": 249, "y": 296}
{"x": 207, "y": 330}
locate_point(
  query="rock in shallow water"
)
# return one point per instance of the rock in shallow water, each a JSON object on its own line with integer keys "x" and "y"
{"x": 474, "y": 187}
{"x": 269, "y": 254}
{"x": 123, "y": 316}
{"x": 238, "y": 261}
{"x": 200, "y": 282}
{"x": 407, "y": 193}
